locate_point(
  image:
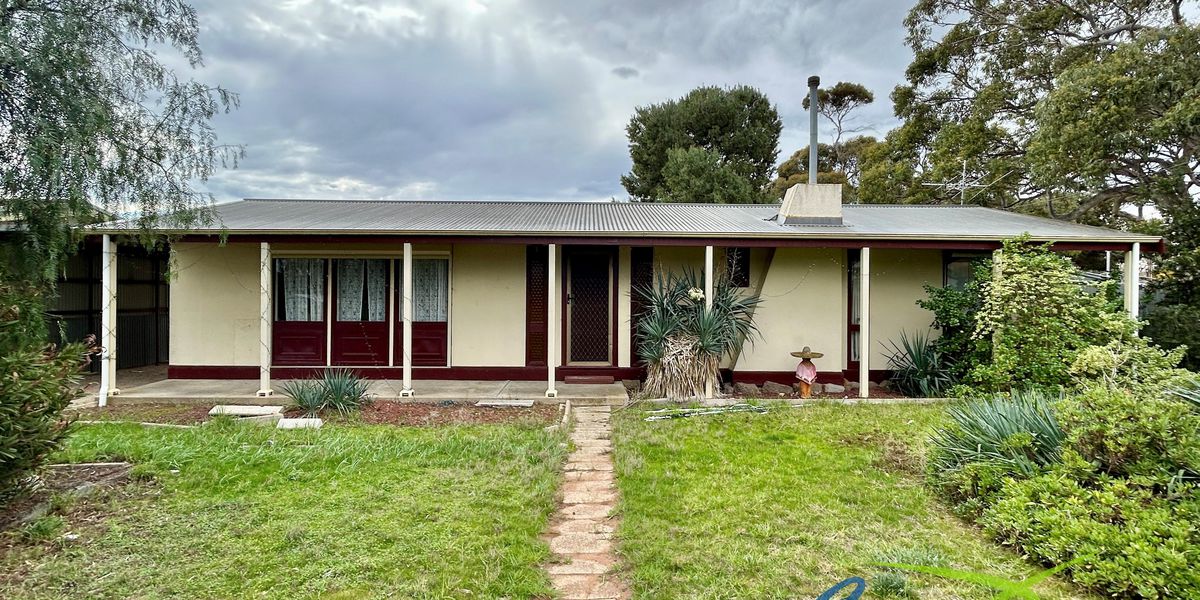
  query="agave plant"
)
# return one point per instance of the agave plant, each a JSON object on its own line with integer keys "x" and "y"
{"x": 919, "y": 369}
{"x": 682, "y": 340}
{"x": 306, "y": 394}
{"x": 344, "y": 390}
{"x": 1018, "y": 433}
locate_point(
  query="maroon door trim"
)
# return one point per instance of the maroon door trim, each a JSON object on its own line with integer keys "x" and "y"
{"x": 297, "y": 342}
{"x": 641, "y": 274}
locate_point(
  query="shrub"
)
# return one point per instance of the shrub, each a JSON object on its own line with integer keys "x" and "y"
{"x": 344, "y": 390}
{"x": 1135, "y": 545}
{"x": 954, "y": 315}
{"x": 1124, "y": 435}
{"x": 919, "y": 369}
{"x": 1038, "y": 317}
{"x": 682, "y": 341}
{"x": 1133, "y": 364}
{"x": 39, "y": 381}
{"x": 1174, "y": 326}
{"x": 989, "y": 440}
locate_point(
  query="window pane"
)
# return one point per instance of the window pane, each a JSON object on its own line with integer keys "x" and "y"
{"x": 361, "y": 289}
{"x": 958, "y": 273}
{"x": 299, "y": 289}
{"x": 431, "y": 290}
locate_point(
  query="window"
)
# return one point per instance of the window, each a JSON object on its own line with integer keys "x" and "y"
{"x": 431, "y": 289}
{"x": 737, "y": 266}
{"x": 362, "y": 289}
{"x": 299, "y": 289}
{"x": 959, "y": 268}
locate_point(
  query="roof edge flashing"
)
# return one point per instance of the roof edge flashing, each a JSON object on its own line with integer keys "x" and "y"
{"x": 812, "y": 204}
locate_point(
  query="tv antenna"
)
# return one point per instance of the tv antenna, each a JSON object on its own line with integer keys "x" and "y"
{"x": 962, "y": 185}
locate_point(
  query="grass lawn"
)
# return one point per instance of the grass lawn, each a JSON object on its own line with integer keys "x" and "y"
{"x": 786, "y": 504}
{"x": 239, "y": 511}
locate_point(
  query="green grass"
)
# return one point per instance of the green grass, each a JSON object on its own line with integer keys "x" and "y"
{"x": 238, "y": 511}
{"x": 786, "y": 504}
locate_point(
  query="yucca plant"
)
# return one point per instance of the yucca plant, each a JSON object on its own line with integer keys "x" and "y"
{"x": 681, "y": 340}
{"x": 306, "y": 394}
{"x": 1188, "y": 391}
{"x": 344, "y": 390}
{"x": 919, "y": 369}
{"x": 1018, "y": 433}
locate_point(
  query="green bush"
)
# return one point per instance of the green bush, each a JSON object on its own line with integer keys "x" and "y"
{"x": 919, "y": 369}
{"x": 1134, "y": 544}
{"x": 38, "y": 382}
{"x": 954, "y": 316}
{"x": 990, "y": 440}
{"x": 1124, "y": 435}
{"x": 1174, "y": 326}
{"x": 1038, "y": 317}
{"x": 1134, "y": 364}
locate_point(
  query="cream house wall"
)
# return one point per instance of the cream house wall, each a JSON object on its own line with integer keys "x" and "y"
{"x": 214, "y": 304}
{"x": 803, "y": 304}
{"x": 487, "y": 305}
{"x": 898, "y": 277}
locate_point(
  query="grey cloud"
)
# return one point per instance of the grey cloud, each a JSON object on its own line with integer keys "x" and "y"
{"x": 515, "y": 100}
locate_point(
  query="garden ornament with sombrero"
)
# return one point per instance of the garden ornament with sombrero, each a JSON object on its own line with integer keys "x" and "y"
{"x": 806, "y": 371}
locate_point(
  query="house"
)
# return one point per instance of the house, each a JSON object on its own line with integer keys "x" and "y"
{"x": 541, "y": 290}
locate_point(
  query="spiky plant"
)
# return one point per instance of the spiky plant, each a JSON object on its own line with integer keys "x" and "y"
{"x": 306, "y": 395}
{"x": 681, "y": 340}
{"x": 1188, "y": 391}
{"x": 919, "y": 369}
{"x": 345, "y": 391}
{"x": 1018, "y": 434}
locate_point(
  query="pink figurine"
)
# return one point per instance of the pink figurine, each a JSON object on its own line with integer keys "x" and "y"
{"x": 806, "y": 371}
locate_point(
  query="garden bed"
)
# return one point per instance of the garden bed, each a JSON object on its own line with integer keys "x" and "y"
{"x": 428, "y": 414}
{"x": 172, "y": 414}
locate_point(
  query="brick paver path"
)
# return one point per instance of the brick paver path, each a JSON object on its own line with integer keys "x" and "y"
{"x": 581, "y": 532}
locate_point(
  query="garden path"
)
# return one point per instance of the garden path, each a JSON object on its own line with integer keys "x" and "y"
{"x": 581, "y": 532}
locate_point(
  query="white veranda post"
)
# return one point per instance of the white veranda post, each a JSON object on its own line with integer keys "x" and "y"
{"x": 708, "y": 302}
{"x": 551, "y": 321}
{"x": 108, "y": 321}
{"x": 1133, "y": 276}
{"x": 864, "y": 327}
{"x": 407, "y": 310}
{"x": 264, "y": 320}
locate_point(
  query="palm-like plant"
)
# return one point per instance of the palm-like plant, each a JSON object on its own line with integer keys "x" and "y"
{"x": 919, "y": 369}
{"x": 683, "y": 341}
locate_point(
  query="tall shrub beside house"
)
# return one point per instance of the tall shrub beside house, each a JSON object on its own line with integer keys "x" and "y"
{"x": 683, "y": 341}
{"x": 36, "y": 383}
{"x": 1038, "y": 317}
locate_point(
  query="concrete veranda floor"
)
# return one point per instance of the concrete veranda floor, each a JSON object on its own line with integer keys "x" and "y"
{"x": 241, "y": 391}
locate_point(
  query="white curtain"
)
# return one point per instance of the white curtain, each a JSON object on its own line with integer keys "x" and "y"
{"x": 360, "y": 280}
{"x": 431, "y": 289}
{"x": 303, "y": 288}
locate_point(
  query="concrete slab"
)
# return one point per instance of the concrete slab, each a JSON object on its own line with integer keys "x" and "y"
{"x": 244, "y": 410}
{"x": 300, "y": 424}
{"x": 505, "y": 403}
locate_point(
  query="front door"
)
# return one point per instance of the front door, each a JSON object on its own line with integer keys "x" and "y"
{"x": 589, "y": 307}
{"x": 360, "y": 312}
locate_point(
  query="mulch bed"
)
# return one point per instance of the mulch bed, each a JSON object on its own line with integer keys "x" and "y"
{"x": 57, "y": 479}
{"x": 175, "y": 414}
{"x": 420, "y": 414}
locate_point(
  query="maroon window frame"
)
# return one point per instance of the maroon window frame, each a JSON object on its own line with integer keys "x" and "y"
{"x": 430, "y": 339}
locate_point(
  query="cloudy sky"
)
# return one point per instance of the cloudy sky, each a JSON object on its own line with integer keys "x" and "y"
{"x": 508, "y": 99}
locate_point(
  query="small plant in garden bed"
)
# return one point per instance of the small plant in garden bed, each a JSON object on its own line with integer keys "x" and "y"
{"x": 919, "y": 368}
{"x": 338, "y": 389}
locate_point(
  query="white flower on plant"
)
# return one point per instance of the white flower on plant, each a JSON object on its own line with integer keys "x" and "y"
{"x": 696, "y": 294}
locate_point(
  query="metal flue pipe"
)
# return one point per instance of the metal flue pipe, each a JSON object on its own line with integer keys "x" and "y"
{"x": 813, "y": 82}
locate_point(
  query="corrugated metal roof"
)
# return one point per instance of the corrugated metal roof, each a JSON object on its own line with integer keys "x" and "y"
{"x": 633, "y": 219}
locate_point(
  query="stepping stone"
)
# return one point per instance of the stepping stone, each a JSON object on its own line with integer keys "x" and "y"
{"x": 586, "y": 511}
{"x": 585, "y": 587}
{"x": 581, "y": 543}
{"x": 589, "y": 497}
{"x": 579, "y": 567}
{"x": 244, "y": 410}
{"x": 300, "y": 424}
{"x": 505, "y": 403}
{"x": 584, "y": 526}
